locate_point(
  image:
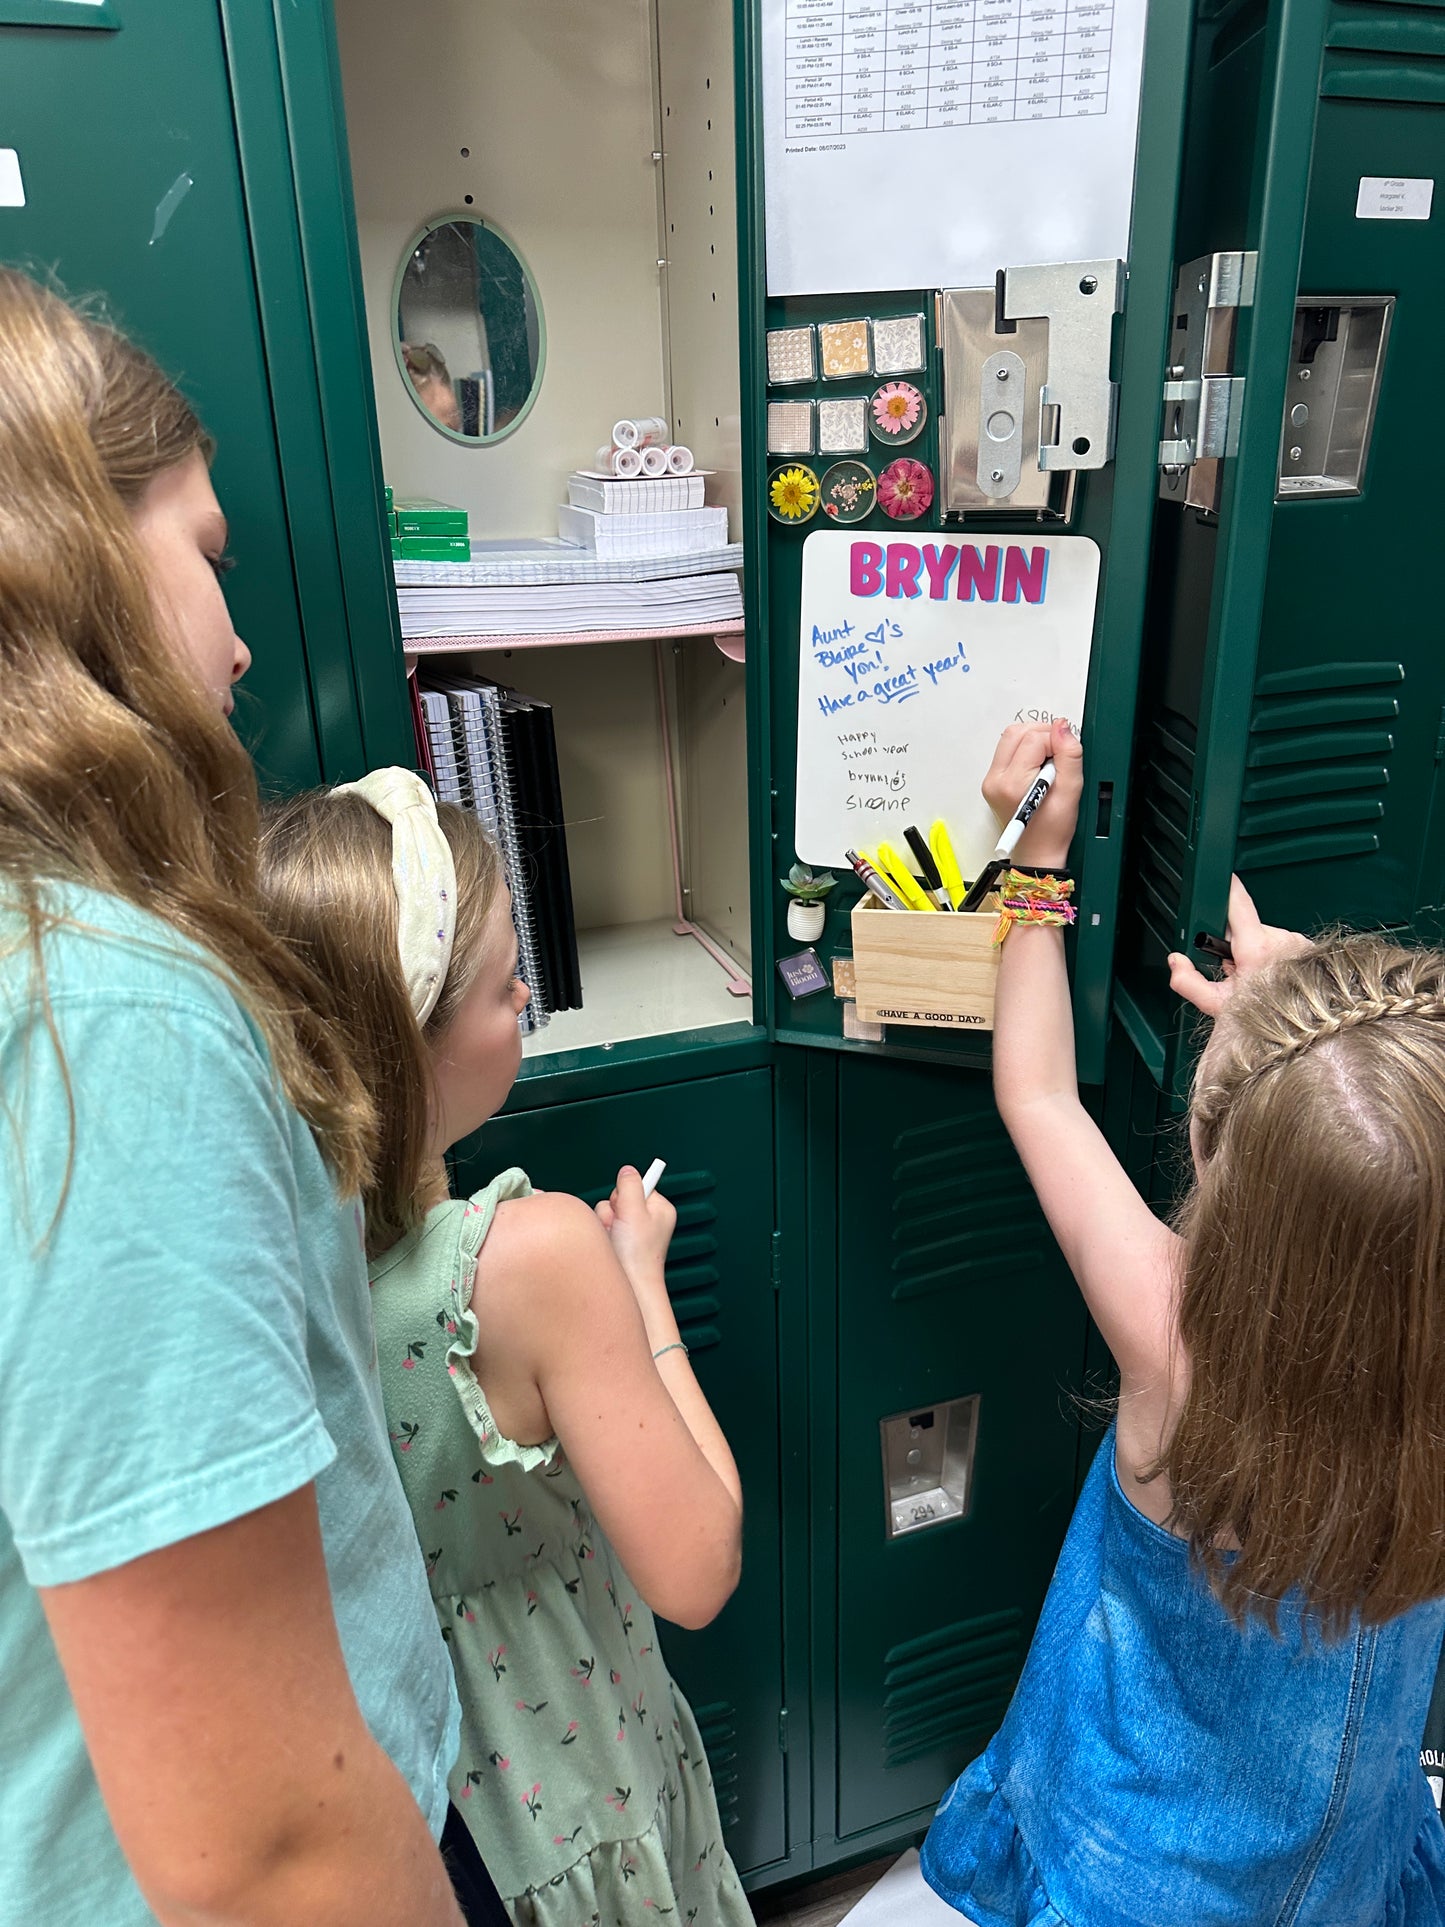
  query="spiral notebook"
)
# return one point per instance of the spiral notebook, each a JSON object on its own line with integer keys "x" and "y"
{"x": 495, "y": 752}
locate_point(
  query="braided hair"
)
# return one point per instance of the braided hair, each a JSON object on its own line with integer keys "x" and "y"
{"x": 1311, "y": 1306}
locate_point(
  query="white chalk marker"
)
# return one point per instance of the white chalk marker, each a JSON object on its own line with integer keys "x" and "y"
{"x": 651, "y": 1175}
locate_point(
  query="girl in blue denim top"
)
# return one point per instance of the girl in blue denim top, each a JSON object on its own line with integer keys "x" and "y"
{"x": 1220, "y": 1715}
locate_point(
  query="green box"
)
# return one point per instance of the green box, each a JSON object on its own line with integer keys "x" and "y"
{"x": 421, "y": 515}
{"x": 390, "y": 502}
{"x": 396, "y": 548}
{"x": 432, "y": 548}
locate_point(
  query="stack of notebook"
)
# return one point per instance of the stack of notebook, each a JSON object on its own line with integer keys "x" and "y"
{"x": 548, "y": 587}
{"x": 495, "y": 751}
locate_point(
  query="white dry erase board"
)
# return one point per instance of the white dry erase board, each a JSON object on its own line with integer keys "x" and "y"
{"x": 928, "y": 143}
{"x": 914, "y": 654}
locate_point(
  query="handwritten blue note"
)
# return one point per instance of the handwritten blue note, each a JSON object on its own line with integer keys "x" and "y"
{"x": 913, "y": 655}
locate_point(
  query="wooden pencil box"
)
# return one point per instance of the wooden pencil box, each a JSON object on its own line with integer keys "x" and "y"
{"x": 925, "y": 966}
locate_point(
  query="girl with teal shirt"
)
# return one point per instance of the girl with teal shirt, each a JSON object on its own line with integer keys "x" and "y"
{"x": 1219, "y": 1720}
{"x": 224, "y": 1695}
{"x": 566, "y": 1475}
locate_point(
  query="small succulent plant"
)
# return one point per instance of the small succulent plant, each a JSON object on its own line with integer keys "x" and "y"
{"x": 804, "y": 887}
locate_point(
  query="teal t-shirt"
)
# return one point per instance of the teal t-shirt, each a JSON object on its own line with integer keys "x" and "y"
{"x": 190, "y": 1342}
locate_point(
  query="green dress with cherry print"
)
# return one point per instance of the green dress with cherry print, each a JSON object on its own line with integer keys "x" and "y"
{"x": 581, "y": 1775}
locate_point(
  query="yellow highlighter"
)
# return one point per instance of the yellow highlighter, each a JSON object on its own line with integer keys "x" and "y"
{"x": 897, "y": 872}
{"x": 942, "y": 847}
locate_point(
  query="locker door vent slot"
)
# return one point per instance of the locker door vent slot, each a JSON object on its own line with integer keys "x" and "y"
{"x": 1166, "y": 786}
{"x": 1336, "y": 356}
{"x": 1320, "y": 741}
{"x": 717, "y": 1725}
{"x": 946, "y": 1685}
{"x": 951, "y": 1181}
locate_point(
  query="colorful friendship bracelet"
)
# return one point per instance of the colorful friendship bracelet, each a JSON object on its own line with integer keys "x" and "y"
{"x": 1033, "y": 897}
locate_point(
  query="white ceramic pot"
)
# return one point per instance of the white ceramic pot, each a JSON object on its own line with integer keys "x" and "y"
{"x": 805, "y": 920}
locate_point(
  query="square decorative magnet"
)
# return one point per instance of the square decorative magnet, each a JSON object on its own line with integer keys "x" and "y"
{"x": 843, "y": 426}
{"x": 802, "y": 975}
{"x": 845, "y": 349}
{"x": 791, "y": 356}
{"x": 898, "y": 345}
{"x": 790, "y": 428}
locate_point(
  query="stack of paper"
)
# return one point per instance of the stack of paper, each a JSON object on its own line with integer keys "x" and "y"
{"x": 561, "y": 608}
{"x": 676, "y": 532}
{"x": 547, "y": 587}
{"x": 545, "y": 559}
{"x": 635, "y": 494}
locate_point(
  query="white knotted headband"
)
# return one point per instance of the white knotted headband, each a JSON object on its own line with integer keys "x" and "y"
{"x": 423, "y": 876}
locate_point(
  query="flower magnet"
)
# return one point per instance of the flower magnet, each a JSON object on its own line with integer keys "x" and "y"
{"x": 793, "y": 494}
{"x": 848, "y": 492}
{"x": 898, "y": 412}
{"x": 905, "y": 489}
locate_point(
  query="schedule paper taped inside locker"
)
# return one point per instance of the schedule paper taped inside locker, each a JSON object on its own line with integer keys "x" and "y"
{"x": 928, "y": 143}
{"x": 913, "y": 657}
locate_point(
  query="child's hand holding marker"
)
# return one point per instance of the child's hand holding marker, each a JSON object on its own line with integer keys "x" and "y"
{"x": 1253, "y": 945}
{"x": 1023, "y": 750}
{"x": 640, "y": 1228}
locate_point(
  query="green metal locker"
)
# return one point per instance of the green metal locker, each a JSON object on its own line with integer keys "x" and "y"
{"x": 717, "y": 1136}
{"x": 1294, "y": 692}
{"x": 157, "y": 170}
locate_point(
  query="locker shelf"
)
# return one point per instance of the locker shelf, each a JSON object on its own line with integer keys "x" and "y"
{"x": 638, "y": 980}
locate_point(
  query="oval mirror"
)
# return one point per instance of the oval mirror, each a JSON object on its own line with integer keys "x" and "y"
{"x": 469, "y": 340}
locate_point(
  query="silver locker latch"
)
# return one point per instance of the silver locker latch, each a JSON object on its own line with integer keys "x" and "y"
{"x": 1078, "y": 300}
{"x": 1202, "y": 395}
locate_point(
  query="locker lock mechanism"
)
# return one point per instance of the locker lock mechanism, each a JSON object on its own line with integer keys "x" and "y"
{"x": 1202, "y": 394}
{"x": 1337, "y": 354}
{"x": 1028, "y": 399}
{"x": 928, "y": 1465}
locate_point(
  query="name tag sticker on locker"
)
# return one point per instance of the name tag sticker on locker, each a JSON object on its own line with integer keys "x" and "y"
{"x": 1391, "y": 197}
{"x": 12, "y": 187}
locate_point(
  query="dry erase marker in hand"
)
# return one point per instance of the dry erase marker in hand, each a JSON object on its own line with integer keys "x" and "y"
{"x": 1019, "y": 821}
{"x": 651, "y": 1175}
{"x": 989, "y": 875}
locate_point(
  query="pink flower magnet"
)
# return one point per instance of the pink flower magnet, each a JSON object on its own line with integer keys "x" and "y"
{"x": 905, "y": 489}
{"x": 898, "y": 411}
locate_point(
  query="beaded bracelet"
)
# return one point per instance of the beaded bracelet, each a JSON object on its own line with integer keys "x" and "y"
{"x": 1033, "y": 899}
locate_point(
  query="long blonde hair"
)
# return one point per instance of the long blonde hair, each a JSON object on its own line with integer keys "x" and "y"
{"x": 1312, "y": 1304}
{"x": 326, "y": 880}
{"x": 116, "y": 769}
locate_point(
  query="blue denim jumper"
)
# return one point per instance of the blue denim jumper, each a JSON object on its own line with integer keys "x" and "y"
{"x": 1159, "y": 1767}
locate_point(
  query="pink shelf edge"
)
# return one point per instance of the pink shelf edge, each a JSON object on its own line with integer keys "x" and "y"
{"x": 448, "y": 645}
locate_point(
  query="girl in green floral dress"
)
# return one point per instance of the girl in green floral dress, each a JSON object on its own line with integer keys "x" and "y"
{"x": 549, "y": 1431}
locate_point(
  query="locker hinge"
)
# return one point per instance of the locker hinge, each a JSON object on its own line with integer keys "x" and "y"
{"x": 777, "y": 1261}
{"x": 782, "y": 1729}
{"x": 1203, "y": 398}
{"x": 1440, "y": 737}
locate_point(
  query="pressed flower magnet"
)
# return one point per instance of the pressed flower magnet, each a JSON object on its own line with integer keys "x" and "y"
{"x": 905, "y": 489}
{"x": 898, "y": 411}
{"x": 849, "y": 492}
{"x": 793, "y": 494}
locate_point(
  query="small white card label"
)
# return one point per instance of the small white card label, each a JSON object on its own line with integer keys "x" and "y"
{"x": 12, "y": 188}
{"x": 1390, "y": 197}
